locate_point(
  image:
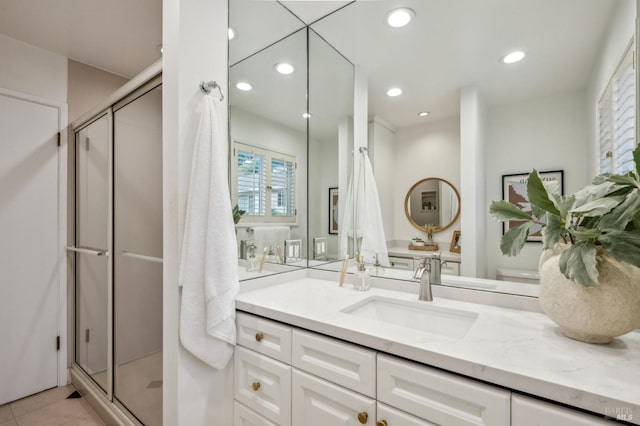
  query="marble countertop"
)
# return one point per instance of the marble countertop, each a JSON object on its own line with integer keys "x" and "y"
{"x": 520, "y": 350}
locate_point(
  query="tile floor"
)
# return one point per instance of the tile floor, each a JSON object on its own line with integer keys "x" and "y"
{"x": 50, "y": 408}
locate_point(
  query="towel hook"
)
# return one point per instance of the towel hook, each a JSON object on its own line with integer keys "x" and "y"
{"x": 206, "y": 86}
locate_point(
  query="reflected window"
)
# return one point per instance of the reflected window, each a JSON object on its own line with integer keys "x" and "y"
{"x": 616, "y": 118}
{"x": 265, "y": 184}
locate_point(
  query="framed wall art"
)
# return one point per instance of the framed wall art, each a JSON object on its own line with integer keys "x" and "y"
{"x": 333, "y": 210}
{"x": 514, "y": 190}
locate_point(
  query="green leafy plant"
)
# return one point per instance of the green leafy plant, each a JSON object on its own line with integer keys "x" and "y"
{"x": 237, "y": 214}
{"x": 605, "y": 214}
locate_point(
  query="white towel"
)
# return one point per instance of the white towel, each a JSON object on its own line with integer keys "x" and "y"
{"x": 209, "y": 265}
{"x": 362, "y": 217}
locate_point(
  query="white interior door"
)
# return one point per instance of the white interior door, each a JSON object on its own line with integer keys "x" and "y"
{"x": 29, "y": 292}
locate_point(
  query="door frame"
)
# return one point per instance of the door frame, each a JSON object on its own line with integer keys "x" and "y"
{"x": 62, "y": 322}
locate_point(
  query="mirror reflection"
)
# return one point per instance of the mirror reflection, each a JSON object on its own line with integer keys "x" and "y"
{"x": 432, "y": 202}
{"x": 459, "y": 111}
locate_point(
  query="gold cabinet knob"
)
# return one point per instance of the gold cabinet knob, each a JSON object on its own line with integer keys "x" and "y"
{"x": 381, "y": 423}
{"x": 363, "y": 417}
{"x": 255, "y": 386}
{"x": 259, "y": 337}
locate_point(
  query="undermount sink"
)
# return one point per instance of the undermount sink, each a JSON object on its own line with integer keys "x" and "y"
{"x": 421, "y": 316}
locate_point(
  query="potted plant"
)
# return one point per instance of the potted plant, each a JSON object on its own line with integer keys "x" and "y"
{"x": 589, "y": 276}
{"x": 237, "y": 214}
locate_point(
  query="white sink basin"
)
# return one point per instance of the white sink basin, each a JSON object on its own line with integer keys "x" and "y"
{"x": 417, "y": 315}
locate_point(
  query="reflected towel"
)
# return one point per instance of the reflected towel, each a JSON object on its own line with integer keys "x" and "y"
{"x": 208, "y": 265}
{"x": 362, "y": 217}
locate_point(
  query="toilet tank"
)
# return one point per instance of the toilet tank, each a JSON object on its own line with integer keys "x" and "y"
{"x": 518, "y": 276}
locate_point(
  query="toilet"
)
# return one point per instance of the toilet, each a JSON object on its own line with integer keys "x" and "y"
{"x": 518, "y": 276}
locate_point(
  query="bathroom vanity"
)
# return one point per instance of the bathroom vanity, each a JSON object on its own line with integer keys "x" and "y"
{"x": 310, "y": 352}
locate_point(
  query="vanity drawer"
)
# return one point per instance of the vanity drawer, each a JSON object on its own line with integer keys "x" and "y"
{"x": 451, "y": 268}
{"x": 440, "y": 397}
{"x": 263, "y": 384}
{"x": 343, "y": 363}
{"x": 394, "y": 417}
{"x": 242, "y": 416}
{"x": 531, "y": 412}
{"x": 264, "y": 336}
{"x": 398, "y": 262}
{"x": 318, "y": 402}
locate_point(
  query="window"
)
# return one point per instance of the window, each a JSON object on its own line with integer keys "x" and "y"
{"x": 264, "y": 184}
{"x": 617, "y": 118}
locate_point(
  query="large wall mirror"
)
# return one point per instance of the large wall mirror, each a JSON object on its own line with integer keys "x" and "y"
{"x": 537, "y": 113}
{"x": 291, "y": 105}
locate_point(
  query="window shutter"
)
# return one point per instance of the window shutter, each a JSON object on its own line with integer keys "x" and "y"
{"x": 282, "y": 187}
{"x": 252, "y": 177}
{"x": 617, "y": 118}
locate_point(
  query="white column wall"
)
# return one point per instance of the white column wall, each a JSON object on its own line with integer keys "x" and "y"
{"x": 195, "y": 49}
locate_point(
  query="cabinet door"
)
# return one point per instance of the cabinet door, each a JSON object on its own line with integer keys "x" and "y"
{"x": 531, "y": 412}
{"x": 317, "y": 402}
{"x": 440, "y": 397}
{"x": 389, "y": 416}
{"x": 451, "y": 268}
{"x": 263, "y": 384}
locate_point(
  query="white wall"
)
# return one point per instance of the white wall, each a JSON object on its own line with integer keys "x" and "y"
{"x": 29, "y": 69}
{"x": 621, "y": 30}
{"x": 546, "y": 134}
{"x": 195, "y": 49}
{"x": 258, "y": 131}
{"x": 88, "y": 86}
{"x": 382, "y": 150}
{"x": 323, "y": 174}
{"x": 429, "y": 150}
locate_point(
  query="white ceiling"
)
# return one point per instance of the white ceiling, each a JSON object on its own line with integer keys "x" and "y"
{"x": 119, "y": 36}
{"x": 452, "y": 44}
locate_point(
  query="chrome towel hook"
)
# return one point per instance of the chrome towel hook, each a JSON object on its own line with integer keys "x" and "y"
{"x": 206, "y": 86}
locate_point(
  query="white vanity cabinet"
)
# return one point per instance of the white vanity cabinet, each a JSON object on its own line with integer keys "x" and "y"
{"x": 401, "y": 262}
{"x": 439, "y": 397}
{"x": 532, "y": 412}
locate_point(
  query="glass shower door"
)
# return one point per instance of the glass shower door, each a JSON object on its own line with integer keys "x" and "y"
{"x": 138, "y": 255}
{"x": 91, "y": 249}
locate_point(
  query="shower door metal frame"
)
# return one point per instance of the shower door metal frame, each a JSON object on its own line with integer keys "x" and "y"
{"x": 89, "y": 250}
{"x": 151, "y": 77}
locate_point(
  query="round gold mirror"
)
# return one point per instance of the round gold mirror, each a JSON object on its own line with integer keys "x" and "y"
{"x": 432, "y": 201}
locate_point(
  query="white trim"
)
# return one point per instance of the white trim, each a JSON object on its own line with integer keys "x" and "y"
{"x": 63, "y": 372}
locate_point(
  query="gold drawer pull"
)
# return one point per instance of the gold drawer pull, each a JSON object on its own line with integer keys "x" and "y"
{"x": 363, "y": 417}
{"x": 255, "y": 386}
{"x": 381, "y": 423}
{"x": 259, "y": 337}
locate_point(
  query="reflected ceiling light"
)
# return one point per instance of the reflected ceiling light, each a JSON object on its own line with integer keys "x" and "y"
{"x": 423, "y": 113}
{"x": 394, "y": 91}
{"x": 160, "y": 49}
{"x": 232, "y": 33}
{"x": 512, "y": 57}
{"x": 399, "y": 17}
{"x": 284, "y": 68}
{"x": 244, "y": 86}
{"x": 306, "y": 115}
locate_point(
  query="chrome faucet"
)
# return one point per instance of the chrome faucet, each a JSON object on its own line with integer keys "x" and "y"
{"x": 429, "y": 272}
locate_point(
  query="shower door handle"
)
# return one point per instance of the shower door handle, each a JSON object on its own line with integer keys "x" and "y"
{"x": 141, "y": 257}
{"x": 95, "y": 252}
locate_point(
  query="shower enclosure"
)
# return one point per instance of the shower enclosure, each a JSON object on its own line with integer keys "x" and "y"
{"x": 115, "y": 252}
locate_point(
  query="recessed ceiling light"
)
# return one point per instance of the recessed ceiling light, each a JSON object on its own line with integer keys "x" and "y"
{"x": 306, "y": 115}
{"x": 423, "y": 113}
{"x": 284, "y": 68}
{"x": 513, "y": 57}
{"x": 232, "y": 33}
{"x": 244, "y": 86}
{"x": 160, "y": 49}
{"x": 394, "y": 91}
{"x": 399, "y": 17}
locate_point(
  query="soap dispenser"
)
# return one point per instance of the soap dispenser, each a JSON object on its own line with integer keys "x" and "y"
{"x": 361, "y": 278}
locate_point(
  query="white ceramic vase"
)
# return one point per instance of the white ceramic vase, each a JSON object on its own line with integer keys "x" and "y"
{"x": 591, "y": 314}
